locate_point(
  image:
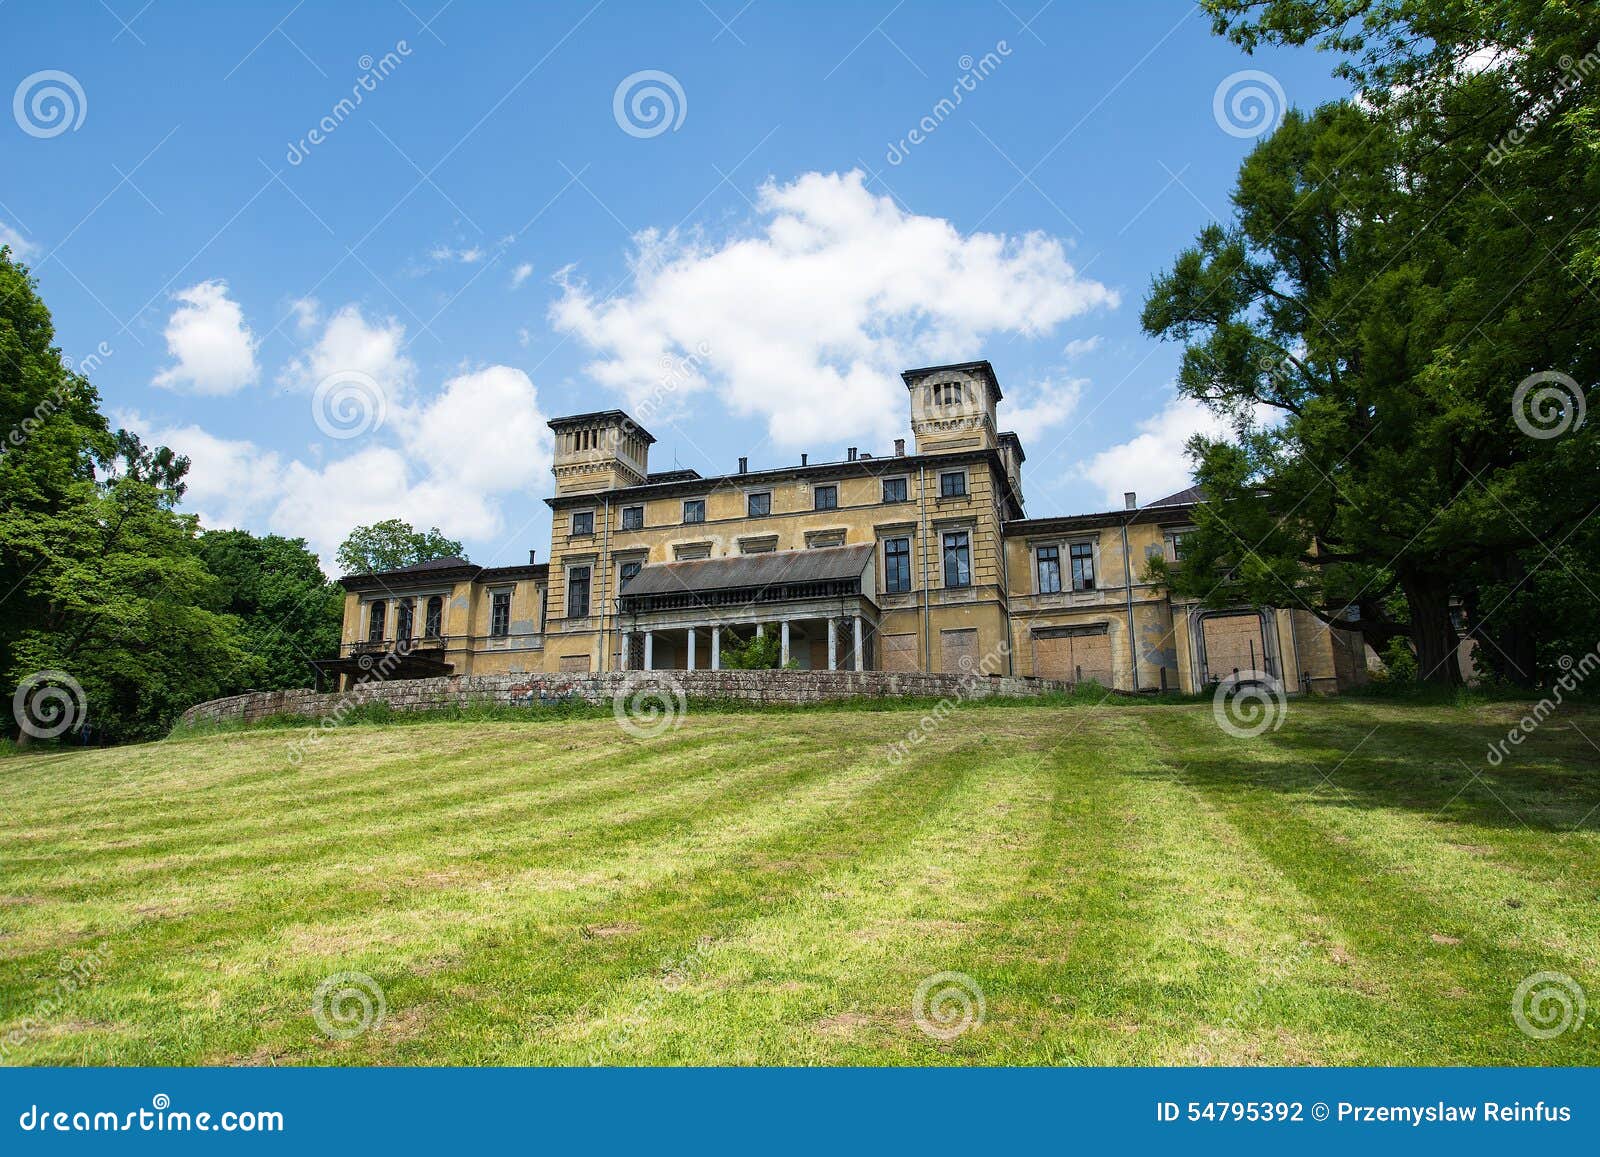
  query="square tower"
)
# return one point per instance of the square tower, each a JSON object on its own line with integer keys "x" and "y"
{"x": 953, "y": 407}
{"x": 600, "y": 451}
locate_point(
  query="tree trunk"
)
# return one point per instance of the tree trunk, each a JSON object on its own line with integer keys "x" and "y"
{"x": 1438, "y": 645}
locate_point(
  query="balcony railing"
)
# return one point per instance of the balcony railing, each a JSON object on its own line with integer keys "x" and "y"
{"x": 413, "y": 645}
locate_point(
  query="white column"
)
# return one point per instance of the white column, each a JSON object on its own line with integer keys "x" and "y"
{"x": 783, "y": 654}
{"x": 761, "y": 630}
{"x": 856, "y": 619}
{"x": 833, "y": 643}
{"x": 691, "y": 648}
{"x": 649, "y": 650}
{"x": 716, "y": 648}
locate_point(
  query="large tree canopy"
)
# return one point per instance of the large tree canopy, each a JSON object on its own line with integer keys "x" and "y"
{"x": 392, "y": 544}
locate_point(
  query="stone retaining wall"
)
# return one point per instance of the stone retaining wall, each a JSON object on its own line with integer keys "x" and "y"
{"x": 534, "y": 690}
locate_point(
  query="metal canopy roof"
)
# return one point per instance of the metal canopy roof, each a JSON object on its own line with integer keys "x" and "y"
{"x": 763, "y": 569}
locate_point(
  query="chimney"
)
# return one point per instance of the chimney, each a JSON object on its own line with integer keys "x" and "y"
{"x": 744, "y": 465}
{"x": 851, "y": 454}
{"x": 531, "y": 558}
{"x": 899, "y": 447}
{"x": 803, "y": 458}
{"x": 1130, "y": 500}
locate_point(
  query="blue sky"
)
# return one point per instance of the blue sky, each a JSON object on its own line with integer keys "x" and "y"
{"x": 379, "y": 322}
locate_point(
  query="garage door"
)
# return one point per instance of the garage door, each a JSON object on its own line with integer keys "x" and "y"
{"x": 1233, "y": 643}
{"x": 899, "y": 652}
{"x": 1074, "y": 655}
{"x": 958, "y": 651}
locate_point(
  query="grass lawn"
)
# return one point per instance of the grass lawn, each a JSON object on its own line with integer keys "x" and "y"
{"x": 1124, "y": 886}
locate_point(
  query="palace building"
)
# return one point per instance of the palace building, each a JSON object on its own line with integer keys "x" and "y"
{"x": 919, "y": 561}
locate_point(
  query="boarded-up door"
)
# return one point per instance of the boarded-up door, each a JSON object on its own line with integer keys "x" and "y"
{"x": 574, "y": 664}
{"x": 900, "y": 652}
{"x": 1074, "y": 655}
{"x": 1233, "y": 643}
{"x": 958, "y": 651}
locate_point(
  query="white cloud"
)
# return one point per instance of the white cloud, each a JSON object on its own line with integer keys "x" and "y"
{"x": 1079, "y": 346}
{"x": 1153, "y": 462}
{"x": 215, "y": 349}
{"x": 807, "y": 321}
{"x": 21, "y": 247}
{"x": 467, "y": 256}
{"x": 350, "y": 344}
{"x": 1044, "y": 406}
{"x": 520, "y": 274}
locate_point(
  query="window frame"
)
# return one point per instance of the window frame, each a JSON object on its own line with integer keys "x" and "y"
{"x": 902, "y": 555}
{"x": 1040, "y": 585}
{"x": 499, "y": 629}
{"x": 831, "y": 489}
{"x": 587, "y": 572}
{"x": 622, "y": 570}
{"x": 749, "y": 500}
{"x": 433, "y": 617}
{"x": 572, "y": 525}
{"x": 700, "y": 503}
{"x": 963, "y": 559}
{"x": 945, "y": 476}
{"x": 905, "y": 489}
{"x": 1082, "y": 581}
{"x": 405, "y": 614}
{"x": 377, "y": 617}
{"x": 632, "y": 524}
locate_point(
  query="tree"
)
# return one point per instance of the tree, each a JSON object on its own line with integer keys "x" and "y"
{"x": 392, "y": 544}
{"x": 289, "y": 611}
{"x": 757, "y": 653}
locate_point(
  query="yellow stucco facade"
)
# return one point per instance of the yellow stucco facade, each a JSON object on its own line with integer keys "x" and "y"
{"x": 913, "y": 561}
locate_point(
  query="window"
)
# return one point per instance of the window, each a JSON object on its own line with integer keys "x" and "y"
{"x": 1048, "y": 566}
{"x": 632, "y": 517}
{"x": 578, "y": 592}
{"x": 433, "y": 622}
{"x": 949, "y": 393}
{"x": 629, "y": 569}
{"x": 404, "y": 615}
{"x": 375, "y": 618}
{"x": 500, "y": 614}
{"x": 1082, "y": 566}
{"x": 1177, "y": 544}
{"x": 953, "y": 484}
{"x": 897, "y": 565}
{"x": 894, "y": 489}
{"x": 825, "y": 498}
{"x": 957, "y": 559}
{"x": 582, "y": 522}
{"x": 694, "y": 510}
{"x": 759, "y": 505}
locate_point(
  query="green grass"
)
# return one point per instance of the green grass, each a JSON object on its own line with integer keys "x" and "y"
{"x": 1127, "y": 886}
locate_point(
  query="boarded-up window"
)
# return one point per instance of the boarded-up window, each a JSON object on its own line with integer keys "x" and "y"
{"x": 1233, "y": 642}
{"x": 1074, "y": 654}
{"x": 574, "y": 663}
{"x": 900, "y": 652}
{"x": 958, "y": 651}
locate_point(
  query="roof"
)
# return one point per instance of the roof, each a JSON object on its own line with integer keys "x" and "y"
{"x": 982, "y": 368}
{"x": 597, "y": 416}
{"x": 683, "y": 475}
{"x": 452, "y": 568}
{"x": 1182, "y": 498}
{"x": 768, "y": 568}
{"x": 447, "y": 563}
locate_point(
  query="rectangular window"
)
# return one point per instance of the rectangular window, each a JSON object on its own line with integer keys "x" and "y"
{"x": 1048, "y": 565}
{"x": 759, "y": 505}
{"x": 694, "y": 510}
{"x": 582, "y": 522}
{"x": 578, "y": 592}
{"x": 632, "y": 517}
{"x": 500, "y": 614}
{"x": 433, "y": 624}
{"x": 894, "y": 489}
{"x": 825, "y": 498}
{"x": 375, "y": 623}
{"x": 897, "y": 565}
{"x": 957, "y": 559}
{"x": 629, "y": 569}
{"x": 1082, "y": 566}
{"x": 1177, "y": 545}
{"x": 404, "y": 618}
{"x": 953, "y": 484}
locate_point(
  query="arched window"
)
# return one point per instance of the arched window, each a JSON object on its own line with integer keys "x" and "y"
{"x": 375, "y": 623}
{"x": 433, "y": 624}
{"x": 403, "y": 619}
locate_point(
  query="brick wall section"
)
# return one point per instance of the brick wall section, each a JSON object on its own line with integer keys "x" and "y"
{"x": 784, "y": 687}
